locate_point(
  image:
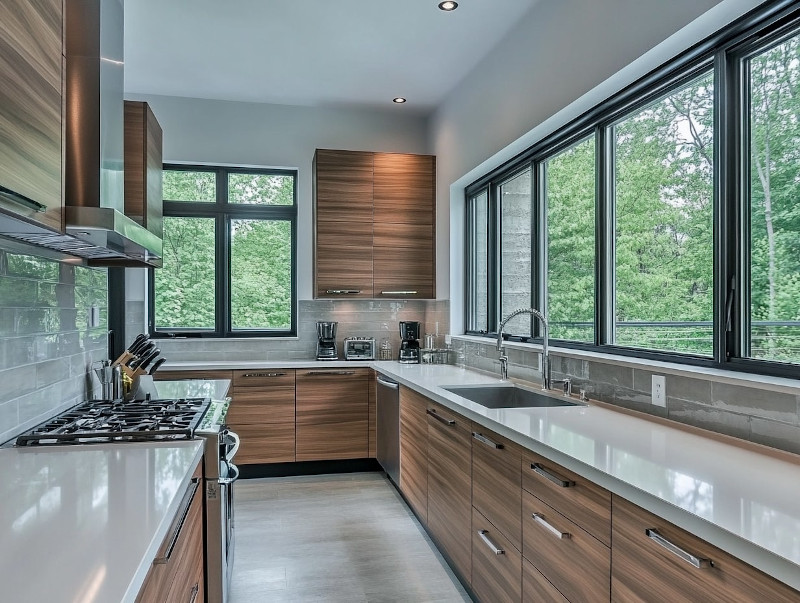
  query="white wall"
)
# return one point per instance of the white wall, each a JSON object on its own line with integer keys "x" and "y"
{"x": 561, "y": 59}
{"x": 252, "y": 134}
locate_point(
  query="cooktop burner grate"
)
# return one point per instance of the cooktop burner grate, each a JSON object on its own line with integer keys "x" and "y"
{"x": 99, "y": 421}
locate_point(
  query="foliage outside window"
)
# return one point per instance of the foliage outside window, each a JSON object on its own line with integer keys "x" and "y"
{"x": 643, "y": 230}
{"x": 229, "y": 259}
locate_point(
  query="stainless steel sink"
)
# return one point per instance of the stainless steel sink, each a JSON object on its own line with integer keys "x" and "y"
{"x": 508, "y": 395}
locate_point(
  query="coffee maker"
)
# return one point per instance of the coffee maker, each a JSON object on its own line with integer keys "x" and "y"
{"x": 409, "y": 346}
{"x": 326, "y": 341}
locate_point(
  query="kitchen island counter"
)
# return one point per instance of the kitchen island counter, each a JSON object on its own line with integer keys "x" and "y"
{"x": 741, "y": 498}
{"x": 83, "y": 523}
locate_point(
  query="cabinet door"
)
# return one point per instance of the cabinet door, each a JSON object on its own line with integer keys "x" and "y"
{"x": 404, "y": 230}
{"x": 497, "y": 482}
{"x": 536, "y": 588}
{"x": 574, "y": 561}
{"x": 343, "y": 186}
{"x": 414, "y": 451}
{"x": 332, "y": 414}
{"x": 450, "y": 485}
{"x": 31, "y": 66}
{"x": 647, "y": 560}
{"x": 143, "y": 167}
{"x": 262, "y": 413}
{"x": 496, "y": 563}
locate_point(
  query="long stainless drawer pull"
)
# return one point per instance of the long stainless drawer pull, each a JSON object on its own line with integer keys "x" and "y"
{"x": 564, "y": 483}
{"x": 539, "y": 518}
{"x": 264, "y": 375}
{"x": 186, "y": 503}
{"x": 320, "y": 373}
{"x": 343, "y": 291}
{"x": 195, "y": 592}
{"x": 489, "y": 543}
{"x": 441, "y": 419}
{"x": 9, "y": 195}
{"x": 398, "y": 292}
{"x": 484, "y": 440}
{"x": 388, "y": 384}
{"x": 693, "y": 560}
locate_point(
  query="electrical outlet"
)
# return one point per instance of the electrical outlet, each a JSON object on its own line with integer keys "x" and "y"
{"x": 659, "y": 393}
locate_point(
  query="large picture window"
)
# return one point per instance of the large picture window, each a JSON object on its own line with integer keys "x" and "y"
{"x": 229, "y": 253}
{"x": 663, "y": 223}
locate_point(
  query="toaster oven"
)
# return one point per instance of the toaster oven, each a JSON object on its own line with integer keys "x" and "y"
{"x": 359, "y": 348}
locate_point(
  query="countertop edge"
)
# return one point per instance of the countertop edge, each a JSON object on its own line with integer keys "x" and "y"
{"x": 137, "y": 581}
{"x": 762, "y": 559}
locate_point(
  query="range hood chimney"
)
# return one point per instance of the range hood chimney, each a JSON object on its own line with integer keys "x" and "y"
{"x": 93, "y": 156}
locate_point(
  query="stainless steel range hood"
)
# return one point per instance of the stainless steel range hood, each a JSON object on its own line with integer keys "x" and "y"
{"x": 96, "y": 227}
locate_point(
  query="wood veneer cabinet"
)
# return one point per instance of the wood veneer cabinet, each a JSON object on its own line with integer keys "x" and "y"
{"x": 31, "y": 127}
{"x": 536, "y": 588}
{"x": 262, "y": 413}
{"x": 177, "y": 573}
{"x": 496, "y": 563}
{"x": 450, "y": 485}
{"x": 374, "y": 217}
{"x": 645, "y": 569}
{"x": 143, "y": 167}
{"x": 332, "y": 414}
{"x": 414, "y": 451}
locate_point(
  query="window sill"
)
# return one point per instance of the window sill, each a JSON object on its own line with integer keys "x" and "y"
{"x": 777, "y": 384}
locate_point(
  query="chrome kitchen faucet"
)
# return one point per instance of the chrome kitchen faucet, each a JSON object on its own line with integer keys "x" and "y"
{"x": 545, "y": 340}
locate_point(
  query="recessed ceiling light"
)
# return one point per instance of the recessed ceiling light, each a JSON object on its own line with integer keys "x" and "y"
{"x": 399, "y": 100}
{"x": 448, "y": 5}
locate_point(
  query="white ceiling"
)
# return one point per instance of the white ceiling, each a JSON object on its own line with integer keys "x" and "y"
{"x": 310, "y": 52}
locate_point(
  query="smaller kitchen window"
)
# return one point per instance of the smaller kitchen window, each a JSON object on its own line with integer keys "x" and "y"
{"x": 230, "y": 249}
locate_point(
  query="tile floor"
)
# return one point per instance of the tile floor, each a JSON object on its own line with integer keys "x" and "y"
{"x": 334, "y": 538}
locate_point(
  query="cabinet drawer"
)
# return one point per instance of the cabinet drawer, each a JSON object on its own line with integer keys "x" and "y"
{"x": 268, "y": 443}
{"x": 266, "y": 378}
{"x": 496, "y": 563}
{"x": 414, "y": 451}
{"x": 496, "y": 482}
{"x": 575, "y": 497}
{"x": 575, "y": 562}
{"x": 536, "y": 588}
{"x": 643, "y": 566}
{"x": 167, "y": 375}
{"x": 259, "y": 406}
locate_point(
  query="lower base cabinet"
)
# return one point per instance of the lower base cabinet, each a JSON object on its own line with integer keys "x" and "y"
{"x": 496, "y": 563}
{"x": 414, "y": 451}
{"x": 655, "y": 560}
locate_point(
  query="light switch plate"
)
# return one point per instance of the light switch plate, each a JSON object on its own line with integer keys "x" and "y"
{"x": 94, "y": 317}
{"x": 659, "y": 391}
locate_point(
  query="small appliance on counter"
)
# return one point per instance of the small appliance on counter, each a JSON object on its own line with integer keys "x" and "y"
{"x": 326, "y": 341}
{"x": 359, "y": 348}
{"x": 409, "y": 346}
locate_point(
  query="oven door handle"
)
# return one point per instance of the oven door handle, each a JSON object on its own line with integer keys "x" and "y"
{"x": 236, "y": 441}
{"x": 227, "y": 481}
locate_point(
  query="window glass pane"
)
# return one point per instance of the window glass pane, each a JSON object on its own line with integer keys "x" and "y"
{"x": 261, "y": 189}
{"x": 185, "y": 287}
{"x": 664, "y": 244}
{"x": 261, "y": 274}
{"x": 480, "y": 263}
{"x": 180, "y": 185}
{"x": 515, "y": 249}
{"x": 570, "y": 193}
{"x": 775, "y": 203}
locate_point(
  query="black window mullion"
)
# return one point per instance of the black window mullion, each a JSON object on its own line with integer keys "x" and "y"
{"x": 538, "y": 243}
{"x": 604, "y": 235}
{"x": 495, "y": 260}
{"x": 222, "y": 256}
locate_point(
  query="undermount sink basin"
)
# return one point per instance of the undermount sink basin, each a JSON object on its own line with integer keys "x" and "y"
{"x": 508, "y": 395}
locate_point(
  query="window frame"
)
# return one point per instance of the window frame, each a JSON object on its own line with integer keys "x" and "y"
{"x": 724, "y": 54}
{"x": 222, "y": 211}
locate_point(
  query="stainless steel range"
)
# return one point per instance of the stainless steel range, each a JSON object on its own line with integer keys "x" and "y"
{"x": 104, "y": 421}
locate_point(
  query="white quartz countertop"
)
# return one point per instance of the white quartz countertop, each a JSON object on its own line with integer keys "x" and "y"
{"x": 83, "y": 523}
{"x": 226, "y": 365}
{"x": 740, "y": 500}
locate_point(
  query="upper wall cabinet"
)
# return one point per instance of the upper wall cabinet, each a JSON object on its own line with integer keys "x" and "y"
{"x": 143, "y": 166}
{"x": 374, "y": 225}
{"x": 31, "y": 67}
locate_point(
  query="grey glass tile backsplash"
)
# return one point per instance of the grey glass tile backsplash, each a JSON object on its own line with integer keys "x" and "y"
{"x": 46, "y": 344}
{"x": 759, "y": 414}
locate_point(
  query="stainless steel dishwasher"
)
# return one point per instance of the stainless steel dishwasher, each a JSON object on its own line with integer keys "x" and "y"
{"x": 388, "y": 420}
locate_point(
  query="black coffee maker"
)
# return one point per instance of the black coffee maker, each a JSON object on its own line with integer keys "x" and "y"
{"x": 409, "y": 346}
{"x": 326, "y": 341}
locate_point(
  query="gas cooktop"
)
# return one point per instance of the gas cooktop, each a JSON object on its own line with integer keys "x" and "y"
{"x": 101, "y": 421}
